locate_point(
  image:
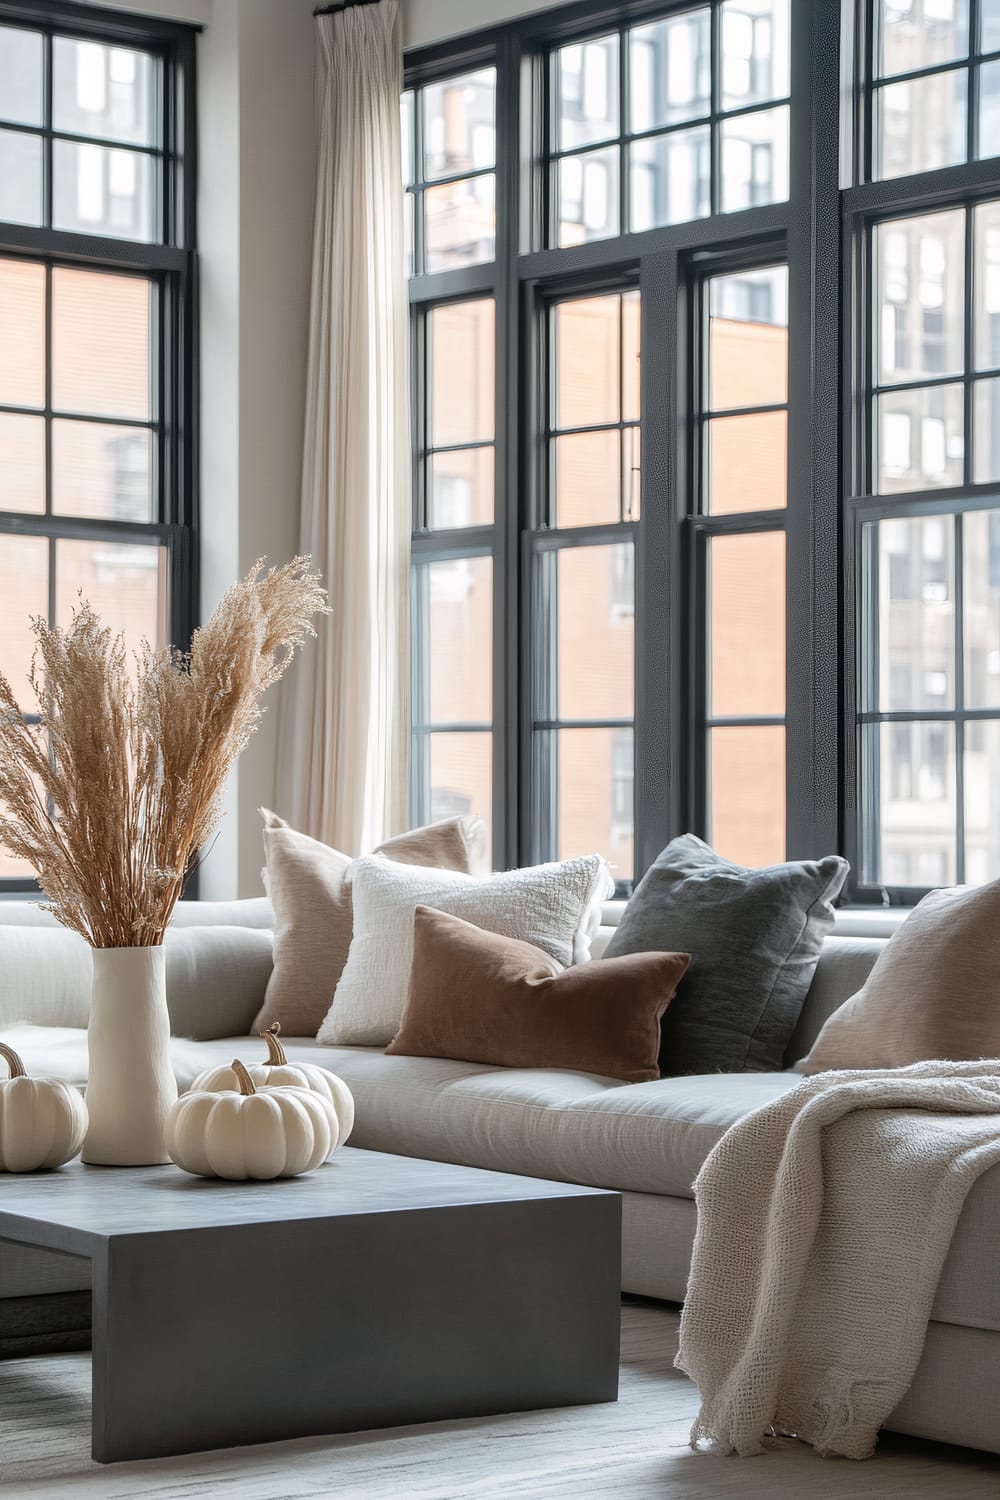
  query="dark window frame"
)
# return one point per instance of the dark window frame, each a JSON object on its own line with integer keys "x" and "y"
{"x": 170, "y": 267}
{"x": 669, "y": 621}
{"x": 867, "y": 202}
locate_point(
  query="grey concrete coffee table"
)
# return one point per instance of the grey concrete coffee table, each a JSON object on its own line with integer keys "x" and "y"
{"x": 379, "y": 1290}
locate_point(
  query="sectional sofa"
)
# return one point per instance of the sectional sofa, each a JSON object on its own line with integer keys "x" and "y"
{"x": 646, "y": 1140}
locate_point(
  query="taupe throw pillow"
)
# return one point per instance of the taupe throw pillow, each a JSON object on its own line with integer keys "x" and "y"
{"x": 481, "y": 997}
{"x": 310, "y": 889}
{"x": 934, "y": 992}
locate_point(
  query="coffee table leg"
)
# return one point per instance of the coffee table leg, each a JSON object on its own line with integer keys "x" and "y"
{"x": 250, "y": 1333}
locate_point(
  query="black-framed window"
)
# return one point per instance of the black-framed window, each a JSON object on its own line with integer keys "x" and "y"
{"x": 809, "y": 571}
{"x": 934, "y": 98}
{"x": 739, "y": 500}
{"x": 922, "y": 361}
{"x": 97, "y": 362}
{"x": 669, "y": 120}
{"x": 582, "y": 539}
{"x": 450, "y": 152}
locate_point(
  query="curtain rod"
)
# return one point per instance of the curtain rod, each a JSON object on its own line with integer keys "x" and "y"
{"x": 329, "y": 10}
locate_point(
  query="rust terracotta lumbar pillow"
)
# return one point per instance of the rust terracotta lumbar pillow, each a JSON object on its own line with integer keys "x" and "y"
{"x": 934, "y": 992}
{"x": 481, "y": 997}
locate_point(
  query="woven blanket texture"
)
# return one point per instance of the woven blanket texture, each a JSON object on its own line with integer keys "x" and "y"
{"x": 824, "y": 1219}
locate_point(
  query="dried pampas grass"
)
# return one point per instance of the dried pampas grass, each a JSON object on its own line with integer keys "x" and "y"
{"x": 113, "y": 793}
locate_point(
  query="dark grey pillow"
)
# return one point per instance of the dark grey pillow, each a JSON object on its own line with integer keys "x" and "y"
{"x": 754, "y": 937}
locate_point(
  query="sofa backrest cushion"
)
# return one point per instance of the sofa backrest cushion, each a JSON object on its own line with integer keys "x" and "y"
{"x": 843, "y": 967}
{"x": 256, "y": 911}
{"x": 216, "y": 978}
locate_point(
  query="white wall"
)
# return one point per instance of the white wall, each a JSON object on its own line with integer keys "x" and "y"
{"x": 256, "y": 181}
{"x": 198, "y": 12}
{"x": 256, "y": 164}
{"x": 434, "y": 20}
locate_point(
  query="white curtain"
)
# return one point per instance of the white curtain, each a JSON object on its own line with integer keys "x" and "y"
{"x": 344, "y": 734}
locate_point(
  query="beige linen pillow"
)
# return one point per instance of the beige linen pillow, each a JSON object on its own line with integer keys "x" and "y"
{"x": 310, "y": 888}
{"x": 555, "y": 906}
{"x": 934, "y": 992}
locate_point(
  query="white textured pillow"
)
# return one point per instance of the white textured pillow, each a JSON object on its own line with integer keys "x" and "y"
{"x": 556, "y": 907}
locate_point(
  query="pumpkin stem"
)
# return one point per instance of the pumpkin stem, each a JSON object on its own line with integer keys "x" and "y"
{"x": 14, "y": 1063}
{"x": 243, "y": 1079}
{"x": 276, "y": 1057}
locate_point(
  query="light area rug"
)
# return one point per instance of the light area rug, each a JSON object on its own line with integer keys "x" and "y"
{"x": 637, "y": 1447}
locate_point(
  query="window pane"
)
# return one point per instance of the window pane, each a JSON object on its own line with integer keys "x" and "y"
{"x": 754, "y": 159}
{"x": 920, "y": 439}
{"x": 22, "y": 346}
{"x": 981, "y": 552}
{"x": 669, "y": 178}
{"x": 670, "y": 77}
{"x": 988, "y": 141}
{"x": 986, "y": 431}
{"x": 989, "y": 25}
{"x": 588, "y": 196}
{"x": 406, "y": 111}
{"x": 587, "y": 92}
{"x": 100, "y": 343}
{"x": 24, "y": 591}
{"x": 102, "y": 91}
{"x": 915, "y": 632}
{"x": 459, "y": 223}
{"x": 921, "y": 296}
{"x": 982, "y": 801}
{"x": 102, "y": 471}
{"x": 20, "y": 76}
{"x": 747, "y": 792}
{"x": 22, "y": 463}
{"x": 125, "y": 584}
{"x": 457, "y": 650}
{"x": 920, "y": 124}
{"x": 987, "y": 286}
{"x": 588, "y": 478}
{"x": 915, "y": 777}
{"x": 20, "y": 178}
{"x": 747, "y": 624}
{"x": 409, "y": 248}
{"x": 587, "y": 361}
{"x": 754, "y": 51}
{"x": 631, "y": 362}
{"x": 102, "y": 190}
{"x": 748, "y": 339}
{"x": 462, "y": 380}
{"x": 461, "y": 776}
{"x": 596, "y": 632}
{"x": 595, "y": 775}
{"x": 460, "y": 488}
{"x": 918, "y": 34}
{"x": 748, "y": 463}
{"x": 460, "y": 124}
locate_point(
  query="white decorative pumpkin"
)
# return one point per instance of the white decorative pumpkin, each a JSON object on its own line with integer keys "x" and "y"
{"x": 278, "y": 1132}
{"x": 42, "y": 1120}
{"x": 278, "y": 1072}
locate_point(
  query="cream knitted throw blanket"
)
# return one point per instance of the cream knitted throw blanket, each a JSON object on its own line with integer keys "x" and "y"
{"x": 824, "y": 1220}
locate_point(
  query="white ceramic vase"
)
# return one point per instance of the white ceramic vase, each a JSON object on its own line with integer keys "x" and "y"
{"x": 130, "y": 1083}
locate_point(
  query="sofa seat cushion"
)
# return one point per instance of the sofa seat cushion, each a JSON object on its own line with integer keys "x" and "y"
{"x": 646, "y": 1137}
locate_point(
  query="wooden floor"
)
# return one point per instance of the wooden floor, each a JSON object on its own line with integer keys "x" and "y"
{"x": 637, "y": 1447}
